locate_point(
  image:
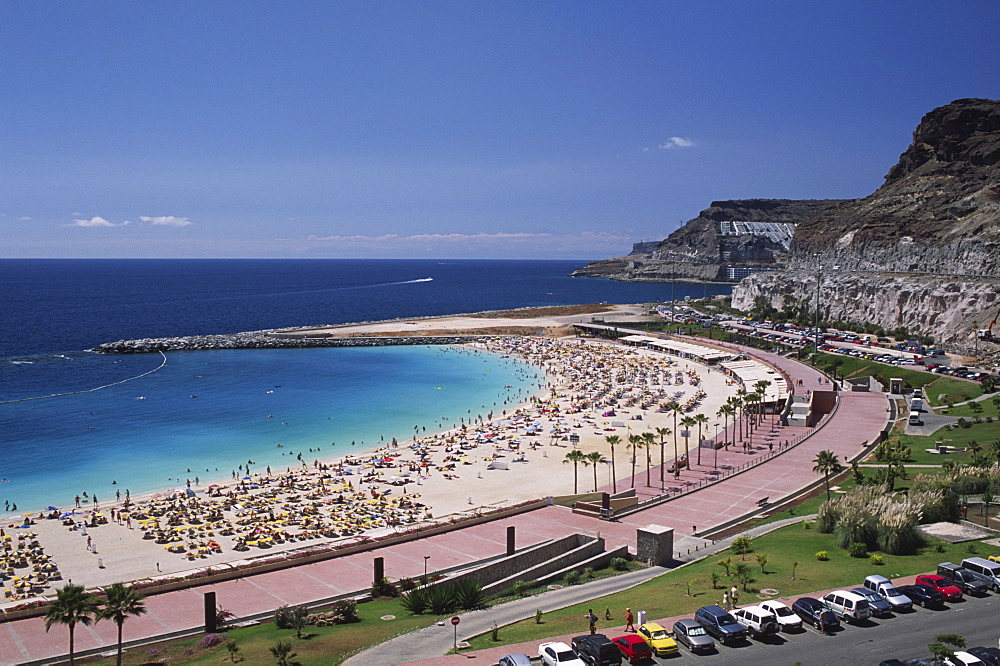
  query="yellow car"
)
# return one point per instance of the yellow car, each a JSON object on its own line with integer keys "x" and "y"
{"x": 994, "y": 558}
{"x": 658, "y": 638}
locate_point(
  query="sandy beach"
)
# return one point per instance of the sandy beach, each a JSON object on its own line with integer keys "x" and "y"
{"x": 594, "y": 389}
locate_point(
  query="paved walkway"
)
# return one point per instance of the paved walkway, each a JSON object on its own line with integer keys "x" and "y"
{"x": 858, "y": 421}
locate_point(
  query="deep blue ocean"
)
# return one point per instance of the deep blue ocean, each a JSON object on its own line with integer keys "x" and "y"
{"x": 211, "y": 411}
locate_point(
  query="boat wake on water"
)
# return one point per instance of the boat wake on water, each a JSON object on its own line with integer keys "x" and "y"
{"x": 96, "y": 388}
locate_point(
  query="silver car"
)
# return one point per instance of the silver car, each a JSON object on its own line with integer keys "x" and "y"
{"x": 693, "y": 636}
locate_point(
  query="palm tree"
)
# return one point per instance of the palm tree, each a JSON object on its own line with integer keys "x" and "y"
{"x": 761, "y": 388}
{"x": 688, "y": 422}
{"x": 72, "y": 605}
{"x": 649, "y": 439}
{"x": 726, "y": 411}
{"x": 740, "y": 401}
{"x": 753, "y": 401}
{"x": 634, "y": 443}
{"x": 612, "y": 440}
{"x": 995, "y": 450}
{"x": 675, "y": 408}
{"x": 596, "y": 458}
{"x": 827, "y": 463}
{"x": 576, "y": 457}
{"x": 701, "y": 420}
{"x": 663, "y": 432}
{"x": 121, "y": 602}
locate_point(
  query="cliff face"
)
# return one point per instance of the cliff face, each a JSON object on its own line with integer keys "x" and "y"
{"x": 938, "y": 211}
{"x": 700, "y": 250}
{"x": 922, "y": 251}
{"x": 950, "y": 309}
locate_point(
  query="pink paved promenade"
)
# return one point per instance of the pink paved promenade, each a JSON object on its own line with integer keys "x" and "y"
{"x": 858, "y": 421}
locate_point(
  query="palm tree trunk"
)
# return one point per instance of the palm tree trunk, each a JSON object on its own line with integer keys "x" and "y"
{"x": 648, "y": 467}
{"x": 614, "y": 477}
{"x": 595, "y": 477}
{"x": 635, "y": 455}
{"x": 118, "y": 661}
{"x": 72, "y": 657}
{"x": 575, "y": 491}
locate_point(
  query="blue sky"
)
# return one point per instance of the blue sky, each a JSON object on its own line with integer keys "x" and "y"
{"x": 452, "y": 129}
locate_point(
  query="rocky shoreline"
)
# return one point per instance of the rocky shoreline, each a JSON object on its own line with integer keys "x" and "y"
{"x": 272, "y": 340}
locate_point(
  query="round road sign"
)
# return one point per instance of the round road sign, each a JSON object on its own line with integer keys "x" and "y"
{"x": 455, "y": 620}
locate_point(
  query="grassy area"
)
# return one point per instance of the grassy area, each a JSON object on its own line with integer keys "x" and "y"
{"x": 983, "y": 433}
{"x": 667, "y": 596}
{"x": 939, "y": 389}
{"x": 319, "y": 645}
{"x": 982, "y": 409}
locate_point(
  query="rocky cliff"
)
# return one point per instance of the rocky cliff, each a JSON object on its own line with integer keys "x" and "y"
{"x": 738, "y": 233}
{"x": 938, "y": 211}
{"x": 923, "y": 251}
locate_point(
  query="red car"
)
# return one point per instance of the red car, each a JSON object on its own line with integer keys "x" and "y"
{"x": 633, "y": 648}
{"x": 942, "y": 585}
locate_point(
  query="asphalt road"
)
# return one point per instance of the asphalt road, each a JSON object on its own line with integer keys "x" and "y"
{"x": 900, "y": 636}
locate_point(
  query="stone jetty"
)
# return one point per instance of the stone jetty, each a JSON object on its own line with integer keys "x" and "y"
{"x": 273, "y": 340}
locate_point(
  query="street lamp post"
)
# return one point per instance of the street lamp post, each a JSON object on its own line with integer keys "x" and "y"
{"x": 426, "y": 557}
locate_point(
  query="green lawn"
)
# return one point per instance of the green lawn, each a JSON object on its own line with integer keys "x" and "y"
{"x": 939, "y": 389}
{"x": 319, "y": 645}
{"x": 666, "y": 595}
{"x": 988, "y": 407}
{"x": 983, "y": 433}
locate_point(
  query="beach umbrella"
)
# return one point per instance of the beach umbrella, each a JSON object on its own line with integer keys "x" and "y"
{"x": 51, "y": 508}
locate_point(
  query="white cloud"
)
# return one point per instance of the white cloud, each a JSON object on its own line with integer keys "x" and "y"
{"x": 676, "y": 142}
{"x": 97, "y": 222}
{"x": 25, "y": 218}
{"x": 166, "y": 221}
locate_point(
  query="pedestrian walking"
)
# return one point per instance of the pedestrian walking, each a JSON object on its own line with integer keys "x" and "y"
{"x": 734, "y": 595}
{"x": 592, "y": 619}
{"x": 629, "y": 619}
{"x": 725, "y": 599}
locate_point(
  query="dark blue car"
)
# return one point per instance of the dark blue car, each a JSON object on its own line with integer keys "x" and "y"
{"x": 814, "y": 612}
{"x": 922, "y": 595}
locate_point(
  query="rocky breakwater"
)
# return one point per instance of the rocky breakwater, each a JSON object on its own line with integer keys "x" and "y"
{"x": 271, "y": 340}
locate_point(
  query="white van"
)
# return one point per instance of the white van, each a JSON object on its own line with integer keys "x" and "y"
{"x": 850, "y": 606}
{"x": 984, "y": 570}
{"x": 915, "y": 418}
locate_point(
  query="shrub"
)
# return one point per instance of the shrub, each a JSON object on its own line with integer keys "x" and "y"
{"x": 520, "y": 588}
{"x": 619, "y": 564}
{"x": 971, "y": 549}
{"x": 538, "y": 616}
{"x": 414, "y": 601}
{"x": 406, "y": 584}
{"x": 822, "y": 556}
{"x": 573, "y": 578}
{"x": 588, "y": 572}
{"x": 211, "y": 640}
{"x": 469, "y": 594}
{"x": 858, "y": 549}
{"x": 282, "y": 617}
{"x": 441, "y": 598}
{"x": 384, "y": 588}
{"x": 344, "y": 611}
{"x": 876, "y": 559}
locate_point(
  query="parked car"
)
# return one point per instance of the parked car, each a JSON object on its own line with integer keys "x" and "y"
{"x": 962, "y": 578}
{"x": 693, "y": 636}
{"x": 847, "y": 605}
{"x": 758, "y": 621}
{"x": 880, "y": 607}
{"x": 988, "y": 655}
{"x": 962, "y": 658}
{"x": 633, "y": 648}
{"x": 597, "y": 650}
{"x": 814, "y": 612}
{"x": 984, "y": 570}
{"x": 883, "y": 586}
{"x": 720, "y": 624}
{"x": 787, "y": 620}
{"x": 922, "y": 595}
{"x": 558, "y": 654}
{"x": 659, "y": 639}
{"x": 943, "y": 585}
{"x": 515, "y": 660}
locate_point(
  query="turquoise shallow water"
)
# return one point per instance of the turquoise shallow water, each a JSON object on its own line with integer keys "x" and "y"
{"x": 212, "y": 411}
